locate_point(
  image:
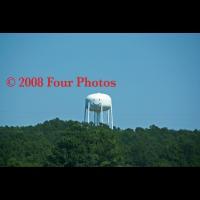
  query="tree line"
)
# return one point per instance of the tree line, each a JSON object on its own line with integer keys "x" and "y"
{"x": 58, "y": 143}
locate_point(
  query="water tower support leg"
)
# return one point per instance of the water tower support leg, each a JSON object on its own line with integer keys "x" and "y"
{"x": 111, "y": 118}
{"x": 101, "y": 114}
{"x": 108, "y": 113}
{"x": 88, "y": 112}
{"x": 85, "y": 115}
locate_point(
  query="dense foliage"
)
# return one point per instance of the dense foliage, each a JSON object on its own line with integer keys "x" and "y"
{"x": 71, "y": 143}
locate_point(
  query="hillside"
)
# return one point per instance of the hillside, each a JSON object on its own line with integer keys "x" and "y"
{"x": 71, "y": 143}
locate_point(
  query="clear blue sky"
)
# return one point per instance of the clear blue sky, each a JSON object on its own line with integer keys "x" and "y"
{"x": 157, "y": 75}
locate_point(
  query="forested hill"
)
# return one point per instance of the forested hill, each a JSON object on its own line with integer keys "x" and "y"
{"x": 71, "y": 143}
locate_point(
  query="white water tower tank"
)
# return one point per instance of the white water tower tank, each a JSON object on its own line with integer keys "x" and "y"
{"x": 99, "y": 103}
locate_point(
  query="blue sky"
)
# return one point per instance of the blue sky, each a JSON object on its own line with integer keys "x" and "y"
{"x": 157, "y": 75}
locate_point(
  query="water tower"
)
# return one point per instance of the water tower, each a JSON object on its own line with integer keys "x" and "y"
{"x": 101, "y": 105}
